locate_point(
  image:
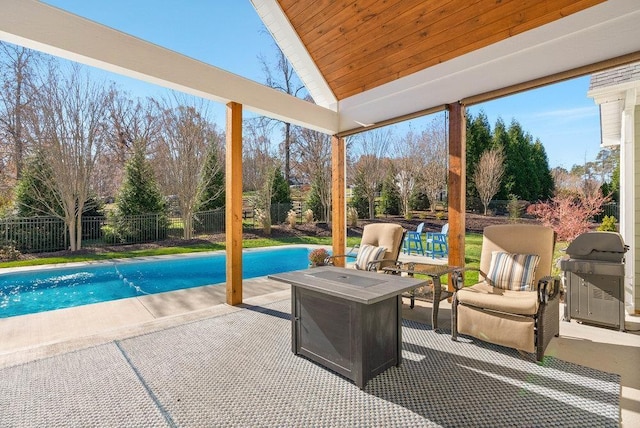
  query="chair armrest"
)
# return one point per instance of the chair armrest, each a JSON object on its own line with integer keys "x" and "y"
{"x": 458, "y": 276}
{"x": 377, "y": 262}
{"x": 548, "y": 288}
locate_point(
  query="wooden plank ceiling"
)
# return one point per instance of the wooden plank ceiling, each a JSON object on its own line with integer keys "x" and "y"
{"x": 359, "y": 45}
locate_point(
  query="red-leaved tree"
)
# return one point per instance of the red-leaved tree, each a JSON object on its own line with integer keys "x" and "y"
{"x": 569, "y": 214}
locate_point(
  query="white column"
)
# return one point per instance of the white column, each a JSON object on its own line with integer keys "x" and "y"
{"x": 629, "y": 182}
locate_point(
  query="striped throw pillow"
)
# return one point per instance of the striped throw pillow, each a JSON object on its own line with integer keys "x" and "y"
{"x": 512, "y": 271}
{"x": 369, "y": 253}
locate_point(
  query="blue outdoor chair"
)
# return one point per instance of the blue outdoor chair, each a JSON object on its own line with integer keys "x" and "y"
{"x": 413, "y": 241}
{"x": 437, "y": 243}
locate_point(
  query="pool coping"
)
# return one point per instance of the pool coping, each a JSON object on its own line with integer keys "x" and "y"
{"x": 53, "y": 266}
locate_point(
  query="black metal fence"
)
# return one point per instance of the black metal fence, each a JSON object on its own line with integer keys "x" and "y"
{"x": 501, "y": 207}
{"x": 42, "y": 234}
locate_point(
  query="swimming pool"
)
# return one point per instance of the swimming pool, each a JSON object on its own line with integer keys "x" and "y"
{"x": 55, "y": 288}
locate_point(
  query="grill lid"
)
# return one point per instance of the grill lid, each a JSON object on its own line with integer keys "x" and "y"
{"x": 606, "y": 246}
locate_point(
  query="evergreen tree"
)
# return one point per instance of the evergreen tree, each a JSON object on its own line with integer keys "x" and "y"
{"x": 359, "y": 200}
{"x": 419, "y": 201}
{"x": 213, "y": 192}
{"x": 478, "y": 141}
{"x": 527, "y": 174}
{"x": 281, "y": 193}
{"x": 390, "y": 196}
{"x": 519, "y": 163}
{"x": 33, "y": 196}
{"x": 501, "y": 139}
{"x": 314, "y": 203}
{"x": 543, "y": 172}
{"x": 139, "y": 195}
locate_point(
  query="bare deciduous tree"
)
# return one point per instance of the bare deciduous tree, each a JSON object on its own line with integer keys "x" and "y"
{"x": 284, "y": 79}
{"x": 433, "y": 156}
{"x": 488, "y": 175}
{"x": 69, "y": 130}
{"x": 17, "y": 88}
{"x": 259, "y": 157}
{"x": 131, "y": 121}
{"x": 185, "y": 136}
{"x": 313, "y": 165}
{"x": 367, "y": 172}
{"x": 408, "y": 165}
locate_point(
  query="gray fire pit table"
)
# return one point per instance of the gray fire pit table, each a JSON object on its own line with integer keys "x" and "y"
{"x": 347, "y": 320}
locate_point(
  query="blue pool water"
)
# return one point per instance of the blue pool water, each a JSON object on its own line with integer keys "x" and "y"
{"x": 43, "y": 290}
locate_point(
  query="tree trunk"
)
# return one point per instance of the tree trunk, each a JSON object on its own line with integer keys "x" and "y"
{"x": 187, "y": 221}
{"x": 18, "y": 146}
{"x": 287, "y": 153}
{"x": 72, "y": 235}
{"x": 78, "y": 231}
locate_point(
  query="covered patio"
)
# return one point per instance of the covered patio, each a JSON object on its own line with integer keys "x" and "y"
{"x": 366, "y": 65}
{"x": 425, "y": 57}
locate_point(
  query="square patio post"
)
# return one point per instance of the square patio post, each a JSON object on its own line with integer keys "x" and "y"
{"x": 233, "y": 203}
{"x": 457, "y": 184}
{"x": 338, "y": 201}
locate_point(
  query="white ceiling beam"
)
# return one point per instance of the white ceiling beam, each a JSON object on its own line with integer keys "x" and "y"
{"x": 42, "y": 27}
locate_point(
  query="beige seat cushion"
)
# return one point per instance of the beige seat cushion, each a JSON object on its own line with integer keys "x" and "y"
{"x": 387, "y": 235}
{"x": 483, "y": 295}
{"x": 499, "y": 328}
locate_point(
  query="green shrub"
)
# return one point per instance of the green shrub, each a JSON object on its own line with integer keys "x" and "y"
{"x": 514, "y": 208}
{"x": 608, "y": 224}
{"x": 109, "y": 234}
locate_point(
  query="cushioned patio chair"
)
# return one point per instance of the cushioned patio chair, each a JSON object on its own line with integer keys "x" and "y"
{"x": 516, "y": 302}
{"x": 437, "y": 243}
{"x": 379, "y": 248}
{"x": 413, "y": 241}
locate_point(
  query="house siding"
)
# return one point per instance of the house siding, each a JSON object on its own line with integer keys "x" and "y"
{"x": 615, "y": 76}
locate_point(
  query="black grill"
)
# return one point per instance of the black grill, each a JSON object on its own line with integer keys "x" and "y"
{"x": 594, "y": 278}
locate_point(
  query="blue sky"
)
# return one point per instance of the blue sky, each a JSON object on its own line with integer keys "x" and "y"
{"x": 229, "y": 35}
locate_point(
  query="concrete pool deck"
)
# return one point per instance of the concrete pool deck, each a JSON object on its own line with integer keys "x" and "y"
{"x": 27, "y": 337}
